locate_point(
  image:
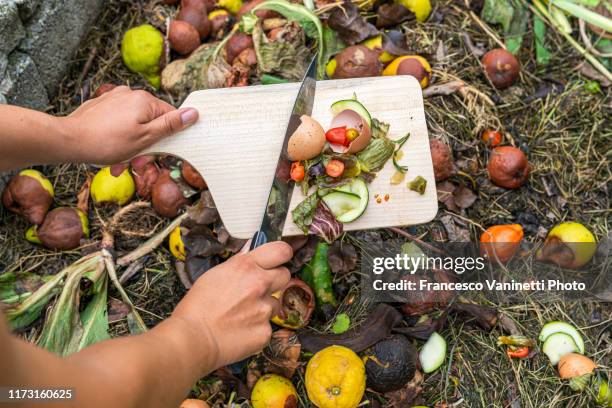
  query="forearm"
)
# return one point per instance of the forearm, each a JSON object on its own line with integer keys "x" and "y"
{"x": 155, "y": 369}
{"x": 29, "y": 137}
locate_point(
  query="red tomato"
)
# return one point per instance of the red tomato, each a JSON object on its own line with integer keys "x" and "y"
{"x": 297, "y": 171}
{"x": 492, "y": 137}
{"x": 334, "y": 168}
{"x": 337, "y": 136}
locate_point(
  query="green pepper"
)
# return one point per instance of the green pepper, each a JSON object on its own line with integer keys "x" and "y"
{"x": 317, "y": 274}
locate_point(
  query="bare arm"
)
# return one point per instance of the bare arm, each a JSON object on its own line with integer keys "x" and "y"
{"x": 104, "y": 130}
{"x": 155, "y": 369}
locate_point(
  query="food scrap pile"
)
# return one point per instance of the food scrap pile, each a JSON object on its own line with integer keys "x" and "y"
{"x": 517, "y": 100}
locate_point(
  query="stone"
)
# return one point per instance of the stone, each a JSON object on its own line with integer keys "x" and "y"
{"x": 54, "y": 33}
{"x": 2, "y": 100}
{"x": 3, "y": 64}
{"x": 22, "y": 84}
{"x": 11, "y": 29}
{"x": 26, "y": 7}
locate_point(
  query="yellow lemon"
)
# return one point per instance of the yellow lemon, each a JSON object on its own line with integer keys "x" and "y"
{"x": 273, "y": 391}
{"x": 106, "y": 188}
{"x": 335, "y": 378}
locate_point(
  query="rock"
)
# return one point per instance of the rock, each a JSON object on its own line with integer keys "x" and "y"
{"x": 22, "y": 84}
{"x": 54, "y": 32}
{"x": 26, "y": 7}
{"x": 11, "y": 29}
{"x": 2, "y": 99}
{"x": 3, "y": 64}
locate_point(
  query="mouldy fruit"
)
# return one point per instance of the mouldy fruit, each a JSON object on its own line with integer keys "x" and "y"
{"x": 413, "y": 65}
{"x": 142, "y": 49}
{"x": 501, "y": 67}
{"x": 576, "y": 368}
{"x": 29, "y": 194}
{"x": 390, "y": 363}
{"x": 63, "y": 228}
{"x": 176, "y": 245}
{"x": 508, "y": 167}
{"x": 274, "y": 391}
{"x": 356, "y": 61}
{"x": 197, "y": 16}
{"x": 104, "y": 88}
{"x": 194, "y": 403}
{"x": 219, "y": 19}
{"x": 297, "y": 303}
{"x": 499, "y": 243}
{"x": 307, "y": 141}
{"x": 183, "y": 37}
{"x": 335, "y": 378}
{"x": 192, "y": 177}
{"x": 492, "y": 137}
{"x": 569, "y": 245}
{"x": 166, "y": 196}
{"x": 236, "y": 44}
{"x": 442, "y": 158}
{"x": 375, "y": 44}
{"x": 106, "y": 188}
{"x": 144, "y": 179}
{"x": 420, "y": 8}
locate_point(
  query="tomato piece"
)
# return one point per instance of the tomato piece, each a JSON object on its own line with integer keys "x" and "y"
{"x": 297, "y": 171}
{"x": 520, "y": 352}
{"x": 334, "y": 168}
{"x": 337, "y": 136}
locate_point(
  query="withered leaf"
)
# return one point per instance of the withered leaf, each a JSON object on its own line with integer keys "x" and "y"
{"x": 392, "y": 14}
{"x": 349, "y": 24}
{"x": 342, "y": 257}
{"x": 464, "y": 197}
{"x": 203, "y": 212}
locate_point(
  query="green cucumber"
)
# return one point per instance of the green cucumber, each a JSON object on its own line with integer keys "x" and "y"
{"x": 433, "y": 353}
{"x": 354, "y": 105}
{"x": 562, "y": 327}
{"x": 349, "y": 201}
{"x": 557, "y": 345}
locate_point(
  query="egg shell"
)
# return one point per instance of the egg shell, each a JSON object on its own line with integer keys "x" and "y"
{"x": 352, "y": 120}
{"x": 307, "y": 141}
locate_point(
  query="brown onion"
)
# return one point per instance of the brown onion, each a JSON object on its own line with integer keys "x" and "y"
{"x": 166, "y": 196}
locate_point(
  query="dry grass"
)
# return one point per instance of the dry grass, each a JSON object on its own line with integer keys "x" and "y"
{"x": 566, "y": 134}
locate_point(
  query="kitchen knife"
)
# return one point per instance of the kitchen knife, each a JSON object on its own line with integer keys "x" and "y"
{"x": 271, "y": 228}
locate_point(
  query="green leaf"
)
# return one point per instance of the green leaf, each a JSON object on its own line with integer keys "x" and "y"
{"x": 303, "y": 213}
{"x": 342, "y": 324}
{"x": 543, "y": 54}
{"x": 93, "y": 326}
{"x": 332, "y": 44}
{"x": 512, "y": 15}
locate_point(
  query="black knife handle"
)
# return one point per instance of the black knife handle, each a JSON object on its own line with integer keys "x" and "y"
{"x": 259, "y": 238}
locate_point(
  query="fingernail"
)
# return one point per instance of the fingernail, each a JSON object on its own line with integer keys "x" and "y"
{"x": 189, "y": 116}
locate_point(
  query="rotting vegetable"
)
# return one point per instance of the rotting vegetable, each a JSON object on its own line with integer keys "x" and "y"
{"x": 176, "y": 244}
{"x": 499, "y": 243}
{"x": 195, "y": 14}
{"x": 106, "y": 188}
{"x": 192, "y": 177}
{"x": 29, "y": 194}
{"x": 142, "y": 49}
{"x": 356, "y": 61}
{"x": 442, "y": 158}
{"x": 390, "y": 363}
{"x": 501, "y": 67}
{"x": 183, "y": 37}
{"x": 413, "y": 65}
{"x": 508, "y": 167}
{"x": 274, "y": 391}
{"x": 317, "y": 274}
{"x": 166, "y": 196}
{"x": 63, "y": 228}
{"x": 297, "y": 302}
{"x": 335, "y": 378}
{"x": 576, "y": 368}
{"x": 569, "y": 245}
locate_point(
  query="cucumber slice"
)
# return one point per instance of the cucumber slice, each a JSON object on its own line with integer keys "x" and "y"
{"x": 433, "y": 353}
{"x": 562, "y": 327}
{"x": 557, "y": 345}
{"x": 349, "y": 201}
{"x": 354, "y": 105}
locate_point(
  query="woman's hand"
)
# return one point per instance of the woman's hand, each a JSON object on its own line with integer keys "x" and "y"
{"x": 118, "y": 124}
{"x": 231, "y": 304}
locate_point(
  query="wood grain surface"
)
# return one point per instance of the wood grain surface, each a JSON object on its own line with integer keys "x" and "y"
{"x": 236, "y": 143}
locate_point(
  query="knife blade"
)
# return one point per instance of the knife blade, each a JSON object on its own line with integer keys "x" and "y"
{"x": 277, "y": 206}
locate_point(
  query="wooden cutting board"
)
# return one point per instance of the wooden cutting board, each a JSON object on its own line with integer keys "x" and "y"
{"x": 236, "y": 143}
